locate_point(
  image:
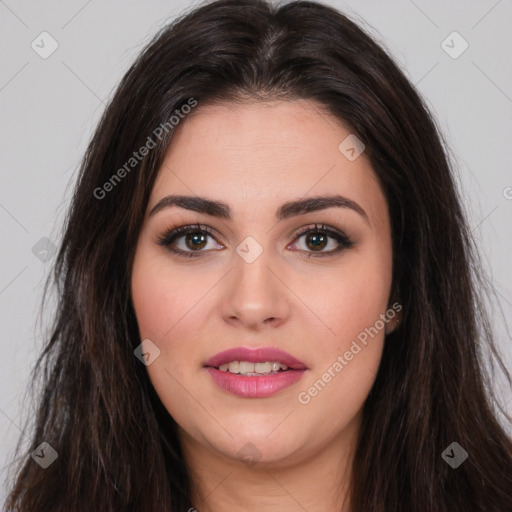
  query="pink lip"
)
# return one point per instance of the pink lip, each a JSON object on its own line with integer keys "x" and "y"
{"x": 255, "y": 355}
{"x": 254, "y": 387}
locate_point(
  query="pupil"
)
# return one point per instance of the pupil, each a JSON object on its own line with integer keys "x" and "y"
{"x": 316, "y": 241}
{"x": 193, "y": 238}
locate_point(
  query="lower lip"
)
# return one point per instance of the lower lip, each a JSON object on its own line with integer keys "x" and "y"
{"x": 252, "y": 386}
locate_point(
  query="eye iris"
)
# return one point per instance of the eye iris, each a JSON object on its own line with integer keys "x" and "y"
{"x": 318, "y": 240}
{"x": 194, "y": 237}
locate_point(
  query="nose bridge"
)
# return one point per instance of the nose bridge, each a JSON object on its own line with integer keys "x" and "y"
{"x": 254, "y": 295}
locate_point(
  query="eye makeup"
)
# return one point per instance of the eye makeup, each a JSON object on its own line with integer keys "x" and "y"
{"x": 198, "y": 234}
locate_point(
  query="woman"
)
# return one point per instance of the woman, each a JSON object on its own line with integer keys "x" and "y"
{"x": 268, "y": 294}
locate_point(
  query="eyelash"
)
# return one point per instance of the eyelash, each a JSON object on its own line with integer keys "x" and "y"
{"x": 170, "y": 236}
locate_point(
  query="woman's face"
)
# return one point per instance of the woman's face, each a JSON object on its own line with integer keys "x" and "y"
{"x": 254, "y": 281}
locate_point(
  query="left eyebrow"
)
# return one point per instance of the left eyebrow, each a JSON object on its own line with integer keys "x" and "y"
{"x": 285, "y": 211}
{"x": 312, "y": 204}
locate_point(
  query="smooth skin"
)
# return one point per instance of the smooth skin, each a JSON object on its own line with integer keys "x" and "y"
{"x": 256, "y": 156}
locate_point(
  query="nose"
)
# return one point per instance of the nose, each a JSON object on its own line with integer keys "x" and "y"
{"x": 255, "y": 295}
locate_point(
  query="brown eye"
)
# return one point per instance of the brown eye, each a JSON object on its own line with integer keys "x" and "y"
{"x": 316, "y": 241}
{"x": 318, "y": 238}
{"x": 195, "y": 239}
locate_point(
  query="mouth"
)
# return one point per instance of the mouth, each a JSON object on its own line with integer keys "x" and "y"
{"x": 256, "y": 361}
{"x": 254, "y": 373}
{"x": 249, "y": 369}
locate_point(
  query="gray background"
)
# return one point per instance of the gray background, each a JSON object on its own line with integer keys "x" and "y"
{"x": 50, "y": 106}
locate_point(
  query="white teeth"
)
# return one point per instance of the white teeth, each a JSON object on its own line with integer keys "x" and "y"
{"x": 274, "y": 366}
{"x": 262, "y": 367}
{"x": 247, "y": 368}
{"x": 233, "y": 367}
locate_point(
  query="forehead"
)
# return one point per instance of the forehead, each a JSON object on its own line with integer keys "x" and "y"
{"x": 264, "y": 153}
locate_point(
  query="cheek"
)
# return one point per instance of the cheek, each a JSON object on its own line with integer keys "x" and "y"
{"x": 171, "y": 306}
{"x": 159, "y": 298}
{"x": 165, "y": 314}
{"x": 348, "y": 346}
{"x": 152, "y": 302}
{"x": 350, "y": 299}
{"x": 346, "y": 364}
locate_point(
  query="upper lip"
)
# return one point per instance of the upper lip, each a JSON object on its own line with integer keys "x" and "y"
{"x": 255, "y": 355}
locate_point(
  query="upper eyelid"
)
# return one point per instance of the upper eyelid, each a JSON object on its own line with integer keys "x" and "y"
{"x": 297, "y": 233}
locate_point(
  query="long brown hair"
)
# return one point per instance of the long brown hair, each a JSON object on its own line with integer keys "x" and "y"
{"x": 117, "y": 445}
